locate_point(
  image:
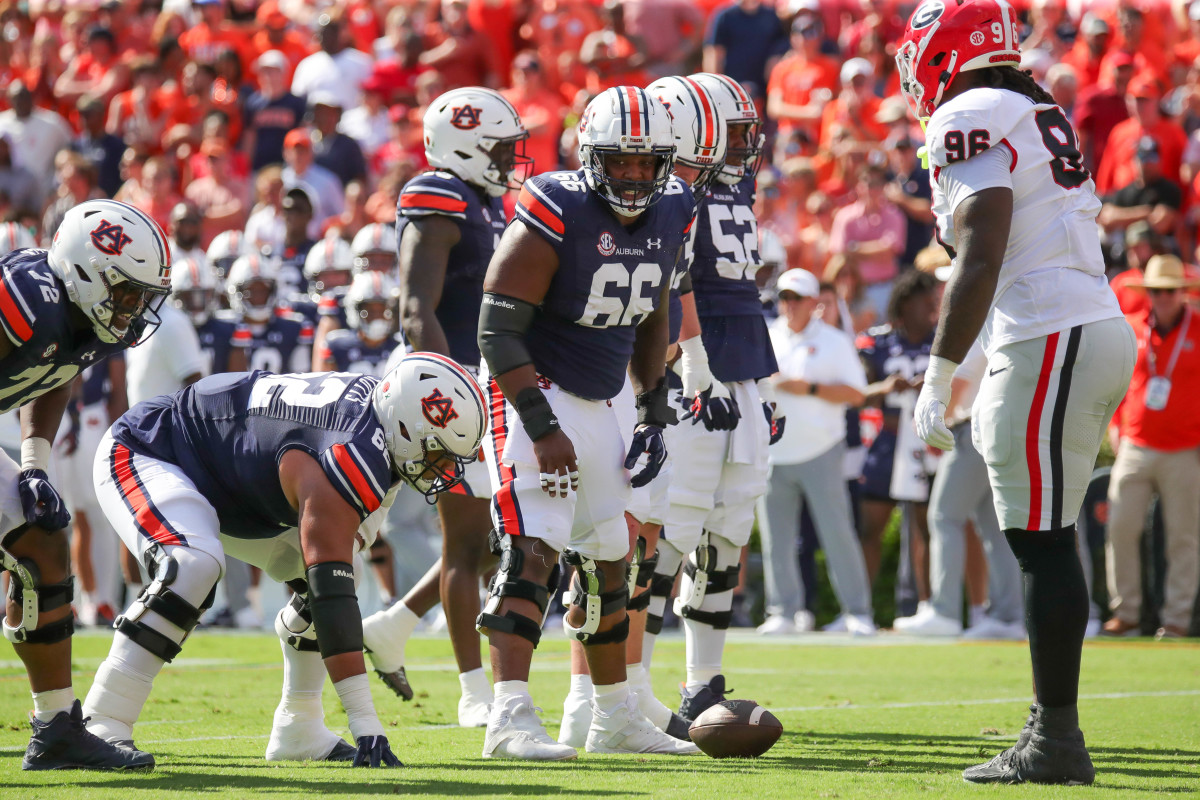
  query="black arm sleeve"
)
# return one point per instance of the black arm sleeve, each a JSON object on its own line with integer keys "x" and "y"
{"x": 503, "y": 321}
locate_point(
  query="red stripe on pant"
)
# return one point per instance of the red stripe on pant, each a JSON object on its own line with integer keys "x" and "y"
{"x": 505, "y": 499}
{"x": 144, "y": 513}
{"x": 1032, "y": 431}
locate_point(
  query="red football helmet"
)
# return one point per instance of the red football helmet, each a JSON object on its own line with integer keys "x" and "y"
{"x": 946, "y": 37}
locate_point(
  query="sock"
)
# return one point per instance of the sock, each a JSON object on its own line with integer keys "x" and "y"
{"x": 581, "y": 687}
{"x": 655, "y": 711}
{"x": 475, "y": 684}
{"x": 1056, "y": 610}
{"x": 705, "y": 645}
{"x": 46, "y": 705}
{"x": 657, "y": 606}
{"x": 977, "y": 615}
{"x": 303, "y": 678}
{"x": 509, "y": 693}
{"x": 386, "y": 632}
{"x": 610, "y": 696}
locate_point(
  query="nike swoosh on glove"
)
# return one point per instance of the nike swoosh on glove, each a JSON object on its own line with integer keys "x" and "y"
{"x": 42, "y": 505}
{"x": 647, "y": 439}
{"x": 930, "y": 418}
{"x": 715, "y": 407}
{"x": 374, "y": 751}
{"x": 776, "y": 423}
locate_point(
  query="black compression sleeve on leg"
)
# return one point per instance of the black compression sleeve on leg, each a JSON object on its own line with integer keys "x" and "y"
{"x": 334, "y": 608}
{"x": 1056, "y": 610}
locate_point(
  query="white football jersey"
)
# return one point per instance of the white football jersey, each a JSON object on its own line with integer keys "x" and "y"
{"x": 1052, "y": 277}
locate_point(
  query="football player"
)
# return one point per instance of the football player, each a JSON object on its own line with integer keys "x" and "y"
{"x": 449, "y": 220}
{"x": 224, "y": 249}
{"x": 290, "y": 473}
{"x": 1015, "y": 203}
{"x": 575, "y": 296}
{"x": 275, "y": 340}
{"x": 94, "y": 293}
{"x": 374, "y": 249}
{"x": 328, "y": 270}
{"x": 715, "y": 485}
{"x": 194, "y": 291}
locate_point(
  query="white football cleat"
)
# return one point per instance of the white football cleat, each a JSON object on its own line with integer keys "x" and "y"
{"x": 518, "y": 733}
{"x": 776, "y": 625}
{"x": 928, "y": 622}
{"x": 576, "y": 720}
{"x": 805, "y": 621}
{"x": 473, "y": 713}
{"x": 853, "y": 624}
{"x": 627, "y": 730}
{"x": 302, "y": 739}
{"x": 994, "y": 629}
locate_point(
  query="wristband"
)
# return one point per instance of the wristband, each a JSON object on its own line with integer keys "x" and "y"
{"x": 355, "y": 694}
{"x": 766, "y": 390}
{"x": 35, "y": 453}
{"x": 653, "y": 407}
{"x": 693, "y": 349}
{"x": 537, "y": 417}
{"x": 938, "y": 377}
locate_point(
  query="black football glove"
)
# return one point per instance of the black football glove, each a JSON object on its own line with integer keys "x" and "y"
{"x": 374, "y": 751}
{"x": 718, "y": 410}
{"x": 775, "y": 423}
{"x": 42, "y": 505}
{"x": 647, "y": 439}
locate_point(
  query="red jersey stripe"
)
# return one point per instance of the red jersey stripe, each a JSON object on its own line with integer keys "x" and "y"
{"x": 359, "y": 481}
{"x": 538, "y": 209}
{"x": 436, "y": 201}
{"x": 143, "y": 512}
{"x": 13, "y": 318}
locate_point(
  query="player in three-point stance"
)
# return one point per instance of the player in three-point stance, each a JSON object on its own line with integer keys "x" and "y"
{"x": 292, "y": 474}
{"x": 575, "y": 297}
{"x": 94, "y": 293}
{"x": 1015, "y": 203}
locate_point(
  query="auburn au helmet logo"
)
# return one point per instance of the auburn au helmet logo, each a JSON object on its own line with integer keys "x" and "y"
{"x": 110, "y": 238}
{"x": 466, "y": 117}
{"x": 438, "y": 409}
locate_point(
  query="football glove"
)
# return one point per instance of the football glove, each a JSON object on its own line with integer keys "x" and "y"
{"x": 374, "y": 751}
{"x": 930, "y": 411}
{"x": 766, "y": 390}
{"x": 43, "y": 506}
{"x": 647, "y": 439}
{"x": 715, "y": 407}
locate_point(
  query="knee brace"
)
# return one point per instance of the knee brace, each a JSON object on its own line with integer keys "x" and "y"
{"x": 641, "y": 574}
{"x": 293, "y": 623}
{"x": 587, "y": 592}
{"x": 712, "y": 570}
{"x": 27, "y": 591}
{"x": 507, "y": 582}
{"x": 162, "y": 600}
{"x": 666, "y": 568}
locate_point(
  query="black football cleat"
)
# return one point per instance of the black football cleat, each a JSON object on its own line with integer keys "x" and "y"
{"x": 1050, "y": 750}
{"x": 64, "y": 743}
{"x": 678, "y": 727}
{"x": 342, "y": 751}
{"x": 398, "y": 682}
{"x": 708, "y": 696}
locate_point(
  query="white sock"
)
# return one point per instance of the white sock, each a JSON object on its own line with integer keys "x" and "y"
{"x": 609, "y": 697}
{"x": 581, "y": 687}
{"x": 303, "y": 679}
{"x": 475, "y": 684}
{"x": 386, "y": 632}
{"x": 49, "y": 703}
{"x": 509, "y": 693}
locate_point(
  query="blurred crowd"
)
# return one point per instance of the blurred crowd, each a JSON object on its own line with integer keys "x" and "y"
{"x": 291, "y": 121}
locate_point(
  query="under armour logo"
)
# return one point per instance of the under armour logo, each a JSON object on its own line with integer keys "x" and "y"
{"x": 89, "y": 355}
{"x": 110, "y": 238}
{"x": 465, "y": 117}
{"x": 654, "y": 244}
{"x": 438, "y": 409}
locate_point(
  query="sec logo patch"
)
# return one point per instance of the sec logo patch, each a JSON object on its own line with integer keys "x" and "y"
{"x": 607, "y": 246}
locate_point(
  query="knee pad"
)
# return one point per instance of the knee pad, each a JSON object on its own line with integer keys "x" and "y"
{"x": 200, "y": 570}
{"x": 507, "y": 582}
{"x": 641, "y": 574}
{"x": 712, "y": 575}
{"x": 666, "y": 568}
{"x": 293, "y": 623}
{"x": 587, "y": 592}
{"x": 27, "y": 590}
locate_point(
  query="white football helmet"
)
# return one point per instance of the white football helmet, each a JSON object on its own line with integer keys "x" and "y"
{"x": 625, "y": 120}
{"x": 329, "y": 264}
{"x": 743, "y": 127}
{"x": 226, "y": 247}
{"x": 253, "y": 271}
{"x": 374, "y": 248}
{"x": 697, "y": 124}
{"x": 434, "y": 416}
{"x": 116, "y": 265}
{"x": 372, "y": 287}
{"x": 194, "y": 288}
{"x": 478, "y": 135}
{"x": 14, "y": 236}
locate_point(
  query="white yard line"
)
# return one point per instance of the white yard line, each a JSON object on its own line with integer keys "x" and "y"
{"x": 981, "y": 702}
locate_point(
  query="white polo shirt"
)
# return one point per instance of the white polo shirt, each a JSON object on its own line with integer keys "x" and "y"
{"x": 818, "y": 354}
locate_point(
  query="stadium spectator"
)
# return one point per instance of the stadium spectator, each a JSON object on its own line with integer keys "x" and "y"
{"x": 802, "y": 82}
{"x": 1089, "y": 49}
{"x": 557, "y": 28}
{"x": 157, "y": 194}
{"x": 265, "y": 227}
{"x": 221, "y": 196}
{"x": 271, "y": 112}
{"x": 97, "y": 70}
{"x": 1145, "y": 119}
{"x": 297, "y": 221}
{"x": 1145, "y": 46}
{"x": 1150, "y": 196}
{"x": 332, "y": 149}
{"x": 541, "y": 110}
{"x": 98, "y": 146}
{"x": 35, "y": 135}
{"x": 672, "y": 32}
{"x": 137, "y": 115}
{"x": 18, "y": 185}
{"x": 212, "y": 34}
{"x": 354, "y": 215}
{"x": 1063, "y": 86}
{"x": 744, "y": 40}
{"x": 1141, "y": 244}
{"x": 1101, "y": 107}
{"x": 323, "y": 188}
{"x": 612, "y": 56}
{"x": 369, "y": 124}
{"x": 870, "y": 234}
{"x": 184, "y": 229}
{"x": 462, "y": 55}
{"x": 277, "y": 34}
{"x": 76, "y": 182}
{"x": 335, "y": 67}
{"x": 908, "y": 190}
{"x": 819, "y": 376}
{"x": 855, "y": 106}
{"x": 1158, "y": 453}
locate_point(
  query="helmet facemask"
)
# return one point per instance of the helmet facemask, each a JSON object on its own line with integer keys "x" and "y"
{"x": 629, "y": 198}
{"x": 127, "y": 299}
{"x": 197, "y": 303}
{"x": 375, "y": 319}
{"x": 508, "y": 166}
{"x": 743, "y": 155}
{"x": 438, "y": 470}
{"x": 257, "y": 310}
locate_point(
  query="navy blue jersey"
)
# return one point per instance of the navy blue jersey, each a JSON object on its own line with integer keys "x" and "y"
{"x": 724, "y": 261}
{"x": 885, "y": 351}
{"x": 282, "y": 345}
{"x": 350, "y": 353}
{"x": 328, "y": 304}
{"x": 609, "y": 278}
{"x": 51, "y": 340}
{"x": 217, "y": 342}
{"x": 291, "y": 269}
{"x": 480, "y": 221}
{"x": 228, "y": 432}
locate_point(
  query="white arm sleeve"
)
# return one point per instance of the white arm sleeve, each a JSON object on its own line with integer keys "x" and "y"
{"x": 960, "y": 180}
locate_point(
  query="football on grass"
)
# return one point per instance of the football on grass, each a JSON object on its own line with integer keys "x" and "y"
{"x": 735, "y": 729}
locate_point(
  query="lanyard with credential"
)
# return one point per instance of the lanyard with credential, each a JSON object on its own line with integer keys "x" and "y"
{"x": 1152, "y": 360}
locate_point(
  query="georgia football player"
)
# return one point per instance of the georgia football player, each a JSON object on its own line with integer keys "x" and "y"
{"x": 449, "y": 220}
{"x": 194, "y": 291}
{"x": 1013, "y": 199}
{"x": 575, "y": 297}
{"x": 715, "y": 485}
{"x": 92, "y": 294}
{"x": 275, "y": 340}
{"x": 292, "y": 474}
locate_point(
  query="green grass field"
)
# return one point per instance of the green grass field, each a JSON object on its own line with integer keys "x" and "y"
{"x": 888, "y": 718}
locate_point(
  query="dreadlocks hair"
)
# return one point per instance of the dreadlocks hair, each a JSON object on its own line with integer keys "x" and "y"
{"x": 911, "y": 283}
{"x": 1015, "y": 80}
